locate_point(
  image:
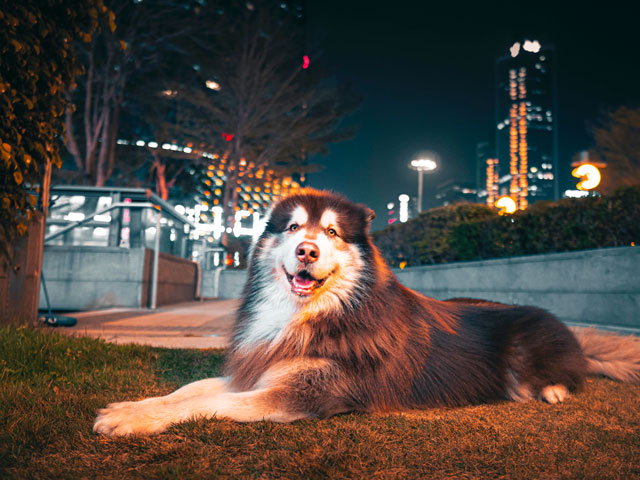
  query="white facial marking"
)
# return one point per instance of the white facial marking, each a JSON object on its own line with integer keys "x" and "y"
{"x": 329, "y": 219}
{"x": 299, "y": 216}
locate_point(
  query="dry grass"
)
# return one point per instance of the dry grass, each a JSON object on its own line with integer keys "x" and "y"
{"x": 52, "y": 385}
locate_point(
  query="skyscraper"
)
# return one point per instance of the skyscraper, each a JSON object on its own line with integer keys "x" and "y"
{"x": 526, "y": 123}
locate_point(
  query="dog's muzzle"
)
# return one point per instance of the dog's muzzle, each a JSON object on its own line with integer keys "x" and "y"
{"x": 303, "y": 283}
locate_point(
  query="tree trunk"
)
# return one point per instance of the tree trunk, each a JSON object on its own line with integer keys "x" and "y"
{"x": 111, "y": 140}
{"x": 101, "y": 166}
{"x": 161, "y": 185}
{"x": 162, "y": 190}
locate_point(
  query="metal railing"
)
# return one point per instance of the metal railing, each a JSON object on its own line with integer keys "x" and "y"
{"x": 153, "y": 203}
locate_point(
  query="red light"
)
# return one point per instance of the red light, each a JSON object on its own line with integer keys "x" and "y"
{"x": 227, "y": 136}
{"x": 305, "y": 62}
{"x": 391, "y": 220}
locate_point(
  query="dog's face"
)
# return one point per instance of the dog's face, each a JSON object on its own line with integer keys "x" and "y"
{"x": 313, "y": 245}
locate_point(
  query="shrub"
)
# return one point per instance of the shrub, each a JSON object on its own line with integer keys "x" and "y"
{"x": 473, "y": 231}
{"x": 569, "y": 224}
{"x": 427, "y": 238}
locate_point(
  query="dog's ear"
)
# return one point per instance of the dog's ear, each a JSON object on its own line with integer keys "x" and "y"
{"x": 370, "y": 215}
{"x": 367, "y": 215}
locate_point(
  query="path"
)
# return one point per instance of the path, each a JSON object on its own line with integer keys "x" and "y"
{"x": 205, "y": 324}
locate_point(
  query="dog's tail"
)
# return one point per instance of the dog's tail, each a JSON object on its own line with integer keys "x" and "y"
{"x": 614, "y": 356}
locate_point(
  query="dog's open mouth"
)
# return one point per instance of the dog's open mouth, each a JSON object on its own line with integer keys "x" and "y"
{"x": 303, "y": 283}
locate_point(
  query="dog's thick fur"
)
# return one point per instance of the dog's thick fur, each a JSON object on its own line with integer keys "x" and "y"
{"x": 325, "y": 327}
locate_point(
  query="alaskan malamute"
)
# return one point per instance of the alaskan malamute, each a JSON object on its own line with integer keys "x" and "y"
{"x": 325, "y": 327}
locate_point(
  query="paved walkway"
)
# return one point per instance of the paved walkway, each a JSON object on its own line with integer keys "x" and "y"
{"x": 205, "y": 324}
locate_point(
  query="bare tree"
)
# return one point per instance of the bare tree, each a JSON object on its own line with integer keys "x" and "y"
{"x": 261, "y": 101}
{"x": 617, "y": 140}
{"x": 145, "y": 30}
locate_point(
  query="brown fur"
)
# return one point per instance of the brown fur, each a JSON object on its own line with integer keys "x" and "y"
{"x": 381, "y": 347}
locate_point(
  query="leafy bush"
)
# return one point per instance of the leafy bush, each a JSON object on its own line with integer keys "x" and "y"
{"x": 569, "y": 224}
{"x": 473, "y": 231}
{"x": 427, "y": 238}
{"x": 38, "y": 63}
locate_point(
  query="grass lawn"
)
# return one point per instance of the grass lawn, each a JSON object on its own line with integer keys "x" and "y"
{"x": 52, "y": 385}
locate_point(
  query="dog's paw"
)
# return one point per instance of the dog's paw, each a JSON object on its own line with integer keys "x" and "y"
{"x": 130, "y": 418}
{"x": 554, "y": 393}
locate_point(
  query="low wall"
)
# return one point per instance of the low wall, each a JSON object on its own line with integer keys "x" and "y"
{"x": 223, "y": 283}
{"x": 591, "y": 286}
{"x": 85, "y": 278}
{"x": 177, "y": 279}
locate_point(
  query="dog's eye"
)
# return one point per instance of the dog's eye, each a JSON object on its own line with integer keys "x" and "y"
{"x": 293, "y": 227}
{"x": 331, "y": 232}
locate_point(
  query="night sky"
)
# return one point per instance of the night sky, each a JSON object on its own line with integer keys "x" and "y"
{"x": 425, "y": 71}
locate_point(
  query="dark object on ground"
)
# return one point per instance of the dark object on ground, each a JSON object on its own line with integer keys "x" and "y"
{"x": 51, "y": 319}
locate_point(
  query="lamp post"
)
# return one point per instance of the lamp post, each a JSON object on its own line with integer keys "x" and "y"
{"x": 422, "y": 165}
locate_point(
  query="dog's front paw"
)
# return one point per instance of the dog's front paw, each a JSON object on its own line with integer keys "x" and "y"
{"x": 130, "y": 418}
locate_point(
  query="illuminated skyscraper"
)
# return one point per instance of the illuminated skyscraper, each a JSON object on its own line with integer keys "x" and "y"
{"x": 526, "y": 123}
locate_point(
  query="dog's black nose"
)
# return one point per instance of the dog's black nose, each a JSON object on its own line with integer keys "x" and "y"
{"x": 307, "y": 252}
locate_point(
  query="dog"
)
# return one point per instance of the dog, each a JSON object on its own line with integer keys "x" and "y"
{"x": 324, "y": 328}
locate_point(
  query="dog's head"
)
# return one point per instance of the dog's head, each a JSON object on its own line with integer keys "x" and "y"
{"x": 314, "y": 244}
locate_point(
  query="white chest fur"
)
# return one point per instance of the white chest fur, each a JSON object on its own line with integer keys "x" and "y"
{"x": 272, "y": 313}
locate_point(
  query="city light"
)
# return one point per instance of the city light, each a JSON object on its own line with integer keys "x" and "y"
{"x": 211, "y": 85}
{"x": 515, "y": 49}
{"x": 492, "y": 181}
{"x": 404, "y": 207}
{"x": 74, "y": 216}
{"x": 576, "y": 193}
{"x": 423, "y": 164}
{"x": 305, "y": 62}
{"x": 531, "y": 46}
{"x": 238, "y": 228}
{"x": 589, "y": 175}
{"x": 506, "y": 205}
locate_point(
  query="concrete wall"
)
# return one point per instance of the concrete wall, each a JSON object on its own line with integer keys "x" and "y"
{"x": 591, "y": 286}
{"x": 177, "y": 279}
{"x": 222, "y": 283}
{"x": 85, "y": 278}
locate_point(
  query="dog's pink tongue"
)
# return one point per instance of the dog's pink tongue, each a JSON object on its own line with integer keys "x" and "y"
{"x": 303, "y": 282}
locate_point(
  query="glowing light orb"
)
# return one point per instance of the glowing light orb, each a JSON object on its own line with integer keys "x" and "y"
{"x": 212, "y": 85}
{"x": 423, "y": 164}
{"x": 506, "y": 205}
{"x": 589, "y": 175}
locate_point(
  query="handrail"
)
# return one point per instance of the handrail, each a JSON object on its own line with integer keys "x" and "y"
{"x": 126, "y": 191}
{"x": 87, "y": 219}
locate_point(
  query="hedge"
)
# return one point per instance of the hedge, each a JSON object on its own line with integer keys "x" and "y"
{"x": 473, "y": 231}
{"x": 427, "y": 238}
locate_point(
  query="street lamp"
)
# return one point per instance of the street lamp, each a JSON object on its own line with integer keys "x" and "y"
{"x": 421, "y": 165}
